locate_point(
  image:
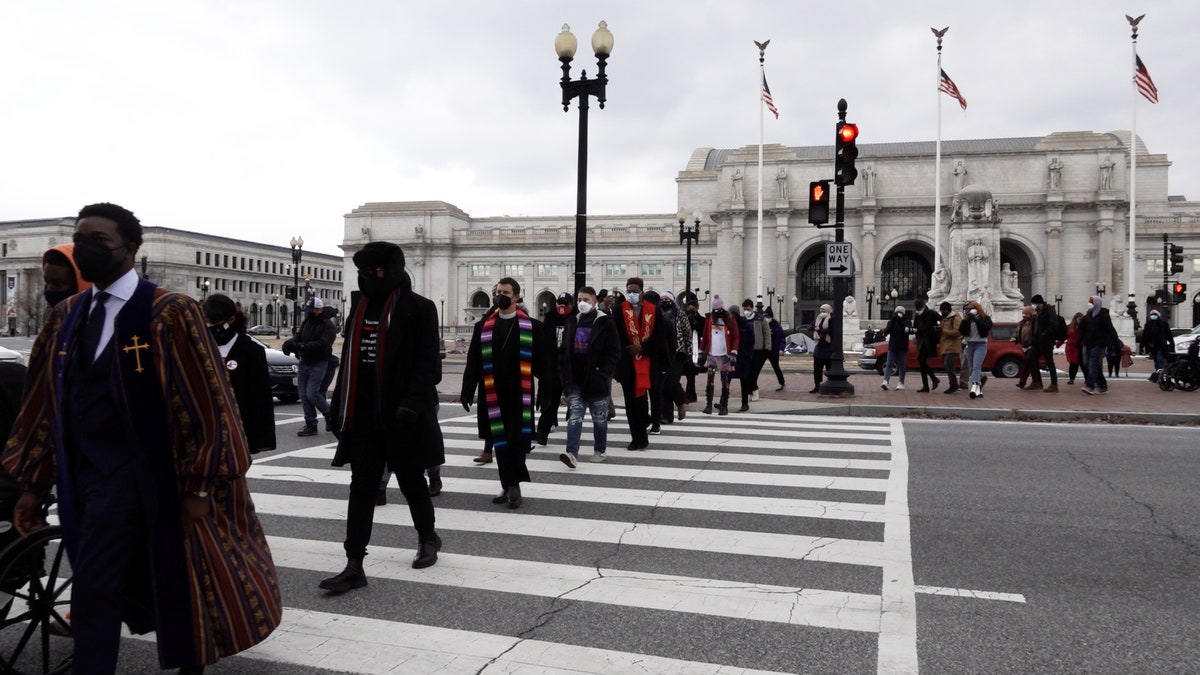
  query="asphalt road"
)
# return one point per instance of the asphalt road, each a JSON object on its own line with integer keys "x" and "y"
{"x": 756, "y": 542}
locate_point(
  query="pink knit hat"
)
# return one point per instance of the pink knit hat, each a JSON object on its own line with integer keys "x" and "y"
{"x": 668, "y": 295}
{"x": 717, "y": 302}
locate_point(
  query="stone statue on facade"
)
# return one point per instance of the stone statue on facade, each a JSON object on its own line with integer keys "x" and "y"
{"x": 849, "y": 308}
{"x": 1056, "y": 167}
{"x": 1106, "y": 173}
{"x": 737, "y": 185}
{"x": 939, "y": 283}
{"x": 869, "y": 181}
{"x": 1010, "y": 282}
{"x": 960, "y": 176}
{"x": 978, "y": 264}
{"x": 781, "y": 181}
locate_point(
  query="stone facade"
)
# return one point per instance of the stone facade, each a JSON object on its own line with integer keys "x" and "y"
{"x": 250, "y": 273}
{"x": 1060, "y": 207}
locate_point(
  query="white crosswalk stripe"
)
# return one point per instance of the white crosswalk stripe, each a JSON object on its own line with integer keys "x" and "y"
{"x": 734, "y": 534}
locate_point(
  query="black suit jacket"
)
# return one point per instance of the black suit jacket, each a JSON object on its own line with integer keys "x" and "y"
{"x": 251, "y": 382}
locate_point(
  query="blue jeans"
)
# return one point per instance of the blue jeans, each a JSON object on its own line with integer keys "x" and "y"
{"x": 598, "y": 408}
{"x": 974, "y": 354}
{"x": 1093, "y": 377}
{"x": 1159, "y": 355}
{"x": 900, "y": 361}
{"x": 312, "y": 398}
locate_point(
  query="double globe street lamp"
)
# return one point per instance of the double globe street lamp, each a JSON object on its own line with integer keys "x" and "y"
{"x": 297, "y": 254}
{"x": 688, "y": 233}
{"x": 565, "y": 45}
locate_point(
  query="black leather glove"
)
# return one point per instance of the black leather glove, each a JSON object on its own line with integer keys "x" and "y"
{"x": 405, "y": 416}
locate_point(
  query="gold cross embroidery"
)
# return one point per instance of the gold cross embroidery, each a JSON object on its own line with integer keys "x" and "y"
{"x": 136, "y": 347}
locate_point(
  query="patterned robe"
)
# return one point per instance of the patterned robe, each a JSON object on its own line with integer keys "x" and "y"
{"x": 213, "y": 590}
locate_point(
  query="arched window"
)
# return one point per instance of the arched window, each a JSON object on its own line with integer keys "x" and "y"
{"x": 481, "y": 300}
{"x": 908, "y": 273}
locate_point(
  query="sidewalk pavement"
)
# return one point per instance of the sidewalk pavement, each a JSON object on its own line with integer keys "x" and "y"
{"x": 1131, "y": 398}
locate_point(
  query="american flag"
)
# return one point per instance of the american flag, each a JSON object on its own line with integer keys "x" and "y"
{"x": 767, "y": 98}
{"x": 947, "y": 85}
{"x": 1141, "y": 79}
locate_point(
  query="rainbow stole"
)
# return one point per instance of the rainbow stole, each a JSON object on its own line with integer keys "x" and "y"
{"x": 495, "y": 420}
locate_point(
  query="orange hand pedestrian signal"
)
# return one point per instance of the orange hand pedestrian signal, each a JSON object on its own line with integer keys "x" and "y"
{"x": 818, "y": 202}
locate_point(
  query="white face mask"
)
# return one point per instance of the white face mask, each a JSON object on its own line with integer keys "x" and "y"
{"x": 749, "y": 313}
{"x": 1091, "y": 306}
{"x": 585, "y": 307}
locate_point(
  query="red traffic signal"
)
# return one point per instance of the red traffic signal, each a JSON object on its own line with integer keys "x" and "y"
{"x": 848, "y": 132}
{"x": 818, "y": 202}
{"x": 1179, "y": 292}
{"x": 844, "y": 153}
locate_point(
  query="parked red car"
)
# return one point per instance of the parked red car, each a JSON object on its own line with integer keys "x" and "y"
{"x": 1004, "y": 357}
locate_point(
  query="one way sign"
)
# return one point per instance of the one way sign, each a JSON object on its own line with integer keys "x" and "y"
{"x": 839, "y": 259}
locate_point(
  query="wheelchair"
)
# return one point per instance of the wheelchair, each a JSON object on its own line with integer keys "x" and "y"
{"x": 1182, "y": 372}
{"x": 35, "y": 582}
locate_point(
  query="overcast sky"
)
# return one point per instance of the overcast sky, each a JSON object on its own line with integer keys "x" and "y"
{"x": 265, "y": 119}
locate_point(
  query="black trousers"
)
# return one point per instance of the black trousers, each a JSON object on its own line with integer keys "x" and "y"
{"x": 688, "y": 369}
{"x": 1043, "y": 351}
{"x": 112, "y": 543}
{"x": 366, "y": 471}
{"x": 773, "y": 357}
{"x": 924, "y": 353}
{"x": 510, "y": 461}
{"x": 637, "y": 409}
{"x": 551, "y": 396}
{"x": 673, "y": 394}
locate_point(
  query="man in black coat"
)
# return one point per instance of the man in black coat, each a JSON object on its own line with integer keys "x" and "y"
{"x": 642, "y": 332}
{"x": 587, "y": 360}
{"x": 385, "y": 405}
{"x": 313, "y": 343}
{"x": 506, "y": 346}
{"x": 925, "y": 323}
{"x": 1041, "y": 344}
{"x": 550, "y": 390}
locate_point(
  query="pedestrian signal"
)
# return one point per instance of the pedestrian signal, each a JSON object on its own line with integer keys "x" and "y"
{"x": 818, "y": 202}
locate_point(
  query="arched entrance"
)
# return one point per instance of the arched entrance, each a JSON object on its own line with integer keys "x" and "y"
{"x": 813, "y": 287}
{"x": 544, "y": 305}
{"x": 906, "y": 270}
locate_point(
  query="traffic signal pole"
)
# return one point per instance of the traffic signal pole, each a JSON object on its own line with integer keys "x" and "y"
{"x": 838, "y": 381}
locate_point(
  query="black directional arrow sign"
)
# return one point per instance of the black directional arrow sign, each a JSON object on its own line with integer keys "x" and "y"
{"x": 839, "y": 259}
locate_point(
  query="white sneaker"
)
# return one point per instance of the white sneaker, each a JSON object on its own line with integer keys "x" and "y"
{"x": 884, "y": 385}
{"x": 598, "y": 457}
{"x": 754, "y": 395}
{"x": 900, "y": 387}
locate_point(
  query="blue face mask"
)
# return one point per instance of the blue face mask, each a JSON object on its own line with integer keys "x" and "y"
{"x": 633, "y": 297}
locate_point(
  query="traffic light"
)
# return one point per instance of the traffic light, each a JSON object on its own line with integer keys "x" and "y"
{"x": 1159, "y": 297}
{"x": 1178, "y": 292}
{"x": 290, "y": 293}
{"x": 818, "y": 202}
{"x": 1176, "y": 259}
{"x": 845, "y": 152}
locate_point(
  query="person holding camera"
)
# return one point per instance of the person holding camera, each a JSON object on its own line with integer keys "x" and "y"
{"x": 313, "y": 343}
{"x": 975, "y": 328}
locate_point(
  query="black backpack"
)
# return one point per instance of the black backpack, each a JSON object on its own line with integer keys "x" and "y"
{"x": 1060, "y": 333}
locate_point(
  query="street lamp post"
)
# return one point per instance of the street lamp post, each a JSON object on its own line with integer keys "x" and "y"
{"x": 204, "y": 289}
{"x": 688, "y": 233}
{"x": 770, "y": 295}
{"x": 870, "y": 300}
{"x": 1058, "y": 304}
{"x": 277, "y": 317}
{"x": 442, "y": 318}
{"x": 795, "y": 311}
{"x": 145, "y": 259}
{"x": 884, "y": 299}
{"x": 565, "y": 45}
{"x": 297, "y": 254}
{"x": 1100, "y": 288}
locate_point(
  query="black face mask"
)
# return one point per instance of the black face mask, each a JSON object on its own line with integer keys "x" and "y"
{"x": 95, "y": 260}
{"x": 371, "y": 285}
{"x": 221, "y": 332}
{"x": 55, "y": 297}
{"x": 502, "y": 302}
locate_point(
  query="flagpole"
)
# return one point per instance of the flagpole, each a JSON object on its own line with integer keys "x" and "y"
{"x": 762, "y": 75}
{"x": 937, "y": 162}
{"x": 1133, "y": 23}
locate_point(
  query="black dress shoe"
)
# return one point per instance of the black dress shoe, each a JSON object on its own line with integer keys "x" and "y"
{"x": 779, "y": 388}
{"x": 435, "y": 484}
{"x": 191, "y": 670}
{"x": 427, "y": 551}
{"x": 815, "y": 390}
{"x": 923, "y": 390}
{"x": 542, "y": 437}
{"x": 501, "y": 498}
{"x": 348, "y": 579}
{"x": 381, "y": 497}
{"x": 745, "y": 408}
{"x": 514, "y": 496}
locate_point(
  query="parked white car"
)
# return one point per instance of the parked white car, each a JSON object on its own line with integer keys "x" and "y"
{"x": 7, "y": 354}
{"x": 1182, "y": 342}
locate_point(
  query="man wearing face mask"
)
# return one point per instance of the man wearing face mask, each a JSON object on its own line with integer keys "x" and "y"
{"x": 1157, "y": 339}
{"x": 506, "y": 354}
{"x": 60, "y": 274}
{"x": 1096, "y": 334}
{"x": 587, "y": 360}
{"x": 385, "y": 406}
{"x": 742, "y": 369}
{"x": 245, "y": 363}
{"x": 550, "y": 392}
{"x": 950, "y": 342}
{"x": 313, "y": 343}
{"x": 642, "y": 332}
{"x": 1041, "y": 347}
{"x": 127, "y": 418}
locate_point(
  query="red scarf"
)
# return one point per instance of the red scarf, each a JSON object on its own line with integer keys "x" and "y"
{"x": 641, "y": 362}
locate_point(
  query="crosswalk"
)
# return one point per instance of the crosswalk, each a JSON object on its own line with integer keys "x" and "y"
{"x": 749, "y": 544}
